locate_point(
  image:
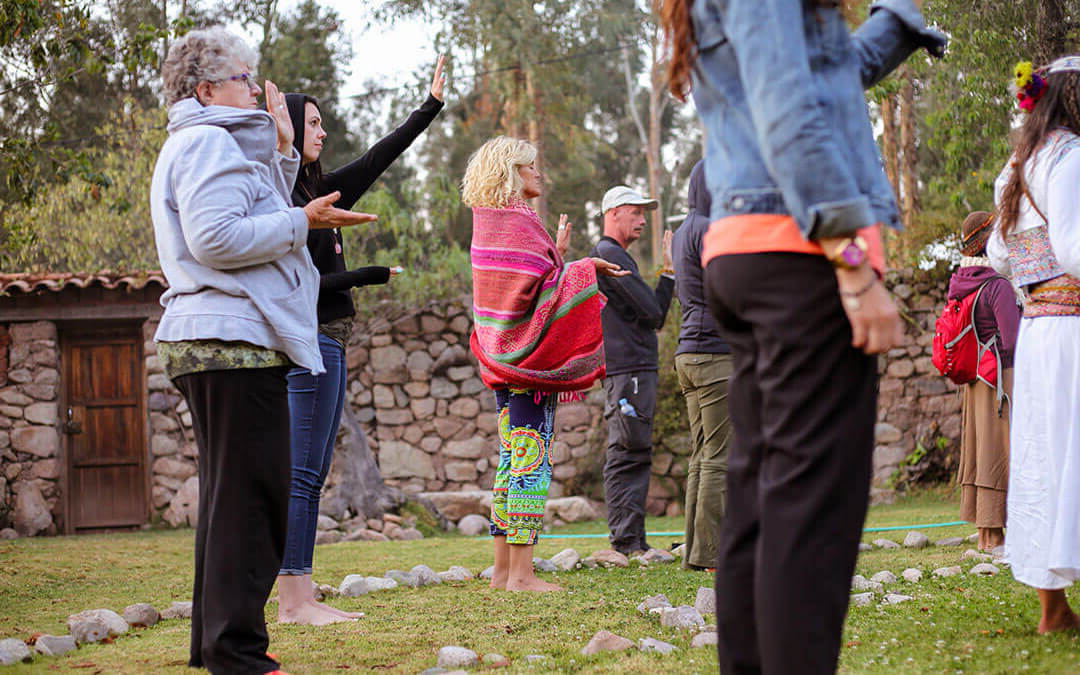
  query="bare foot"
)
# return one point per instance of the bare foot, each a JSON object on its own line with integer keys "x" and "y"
{"x": 309, "y": 615}
{"x": 498, "y": 580}
{"x": 335, "y": 610}
{"x": 1066, "y": 621}
{"x": 531, "y": 584}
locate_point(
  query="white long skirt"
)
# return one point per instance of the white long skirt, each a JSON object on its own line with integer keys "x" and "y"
{"x": 1042, "y": 540}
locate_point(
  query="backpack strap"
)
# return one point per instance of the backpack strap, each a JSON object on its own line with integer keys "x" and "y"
{"x": 990, "y": 345}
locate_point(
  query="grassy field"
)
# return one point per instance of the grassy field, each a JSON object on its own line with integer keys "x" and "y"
{"x": 960, "y": 624}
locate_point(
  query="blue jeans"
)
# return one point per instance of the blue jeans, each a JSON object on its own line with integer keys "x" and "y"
{"x": 315, "y": 403}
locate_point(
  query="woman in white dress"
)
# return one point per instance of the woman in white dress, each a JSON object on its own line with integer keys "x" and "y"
{"x": 1037, "y": 241}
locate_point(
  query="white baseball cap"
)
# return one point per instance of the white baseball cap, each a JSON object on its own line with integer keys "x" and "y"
{"x": 621, "y": 195}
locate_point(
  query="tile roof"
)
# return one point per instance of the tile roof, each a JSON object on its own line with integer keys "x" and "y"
{"x": 26, "y": 284}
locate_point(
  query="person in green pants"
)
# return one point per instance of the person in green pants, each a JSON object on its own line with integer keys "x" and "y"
{"x": 703, "y": 362}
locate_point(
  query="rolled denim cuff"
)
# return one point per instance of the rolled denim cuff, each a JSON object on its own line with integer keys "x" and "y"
{"x": 839, "y": 219}
{"x": 909, "y": 15}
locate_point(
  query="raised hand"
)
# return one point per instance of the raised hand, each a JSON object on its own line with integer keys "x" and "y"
{"x": 562, "y": 237}
{"x": 275, "y": 105}
{"x": 438, "y": 80}
{"x": 608, "y": 269}
{"x": 323, "y": 215}
{"x": 667, "y": 249}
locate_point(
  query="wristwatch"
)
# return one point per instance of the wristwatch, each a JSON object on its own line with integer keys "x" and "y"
{"x": 851, "y": 255}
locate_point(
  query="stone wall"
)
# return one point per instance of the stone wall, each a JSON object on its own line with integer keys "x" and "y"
{"x": 29, "y": 432}
{"x": 916, "y": 405}
{"x": 415, "y": 388}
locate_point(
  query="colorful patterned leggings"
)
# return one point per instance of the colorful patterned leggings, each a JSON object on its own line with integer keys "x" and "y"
{"x": 526, "y": 426}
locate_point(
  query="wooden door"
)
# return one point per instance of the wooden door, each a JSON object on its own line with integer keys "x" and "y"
{"x": 103, "y": 418}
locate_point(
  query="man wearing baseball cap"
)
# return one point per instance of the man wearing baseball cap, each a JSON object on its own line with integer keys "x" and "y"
{"x": 633, "y": 314}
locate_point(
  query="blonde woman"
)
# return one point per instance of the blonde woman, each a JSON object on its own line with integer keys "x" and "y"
{"x": 537, "y": 334}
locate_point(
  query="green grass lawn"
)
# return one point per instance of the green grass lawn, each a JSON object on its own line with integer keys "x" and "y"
{"x": 959, "y": 624}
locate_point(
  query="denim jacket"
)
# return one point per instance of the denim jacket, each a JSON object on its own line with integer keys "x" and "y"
{"x": 779, "y": 85}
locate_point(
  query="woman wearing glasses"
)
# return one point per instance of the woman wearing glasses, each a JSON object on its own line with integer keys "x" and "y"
{"x": 239, "y": 312}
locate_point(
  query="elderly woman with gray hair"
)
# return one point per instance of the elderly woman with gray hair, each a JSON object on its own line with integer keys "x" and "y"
{"x": 239, "y": 312}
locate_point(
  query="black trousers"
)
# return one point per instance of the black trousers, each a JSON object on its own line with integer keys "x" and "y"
{"x": 803, "y": 403}
{"x": 629, "y": 457}
{"x": 241, "y": 423}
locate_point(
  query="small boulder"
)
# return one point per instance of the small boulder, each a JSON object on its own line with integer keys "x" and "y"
{"x": 496, "y": 660}
{"x": 862, "y": 599}
{"x": 895, "y": 598}
{"x": 54, "y": 645}
{"x": 404, "y": 578}
{"x": 916, "y": 540}
{"x": 863, "y": 547}
{"x": 884, "y": 577}
{"x": 861, "y": 583}
{"x": 947, "y": 571}
{"x": 654, "y": 645}
{"x": 473, "y": 525}
{"x": 13, "y": 651}
{"x": 912, "y": 575}
{"x": 705, "y": 602}
{"x": 950, "y": 541}
{"x": 354, "y": 585}
{"x": 456, "y": 573}
{"x": 380, "y": 583}
{"x": 984, "y": 569}
{"x": 457, "y": 657}
{"x": 535, "y": 658}
{"x": 9, "y": 533}
{"x": 610, "y": 558}
{"x": 541, "y": 565}
{"x": 705, "y": 639}
{"x": 141, "y": 614}
{"x": 94, "y": 625}
{"x": 488, "y": 572}
{"x": 425, "y": 575}
{"x": 653, "y": 602}
{"x": 606, "y": 641}
{"x": 566, "y": 560}
{"x": 657, "y": 555}
{"x": 683, "y": 616}
{"x": 326, "y": 523}
{"x": 972, "y": 554}
{"x": 178, "y": 610}
{"x": 886, "y": 543}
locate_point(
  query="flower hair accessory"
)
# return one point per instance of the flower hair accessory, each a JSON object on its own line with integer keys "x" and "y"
{"x": 1030, "y": 85}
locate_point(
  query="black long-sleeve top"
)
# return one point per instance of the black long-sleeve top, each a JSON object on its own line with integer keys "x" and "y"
{"x": 353, "y": 180}
{"x": 633, "y": 314}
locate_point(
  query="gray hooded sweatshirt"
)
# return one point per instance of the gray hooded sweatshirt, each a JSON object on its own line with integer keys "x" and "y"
{"x": 231, "y": 247}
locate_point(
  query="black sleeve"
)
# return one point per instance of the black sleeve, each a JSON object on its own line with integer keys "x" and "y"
{"x": 631, "y": 296}
{"x": 361, "y": 276}
{"x": 354, "y": 179}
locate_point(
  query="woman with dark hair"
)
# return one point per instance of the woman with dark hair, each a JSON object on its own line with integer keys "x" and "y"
{"x": 1037, "y": 241}
{"x": 797, "y": 189}
{"x": 315, "y": 401}
{"x": 983, "y": 473}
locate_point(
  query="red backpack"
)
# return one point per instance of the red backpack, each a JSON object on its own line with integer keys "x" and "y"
{"x": 957, "y": 352}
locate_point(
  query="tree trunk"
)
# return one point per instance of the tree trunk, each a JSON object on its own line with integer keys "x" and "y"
{"x": 658, "y": 101}
{"x": 355, "y": 483}
{"x": 1052, "y": 31}
{"x": 890, "y": 157}
{"x": 909, "y": 152}
{"x": 536, "y": 137}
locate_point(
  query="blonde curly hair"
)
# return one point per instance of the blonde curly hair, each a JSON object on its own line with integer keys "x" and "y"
{"x": 491, "y": 177}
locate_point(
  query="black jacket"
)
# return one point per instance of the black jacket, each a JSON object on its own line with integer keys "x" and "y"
{"x": 352, "y": 180}
{"x": 633, "y": 314}
{"x": 699, "y": 333}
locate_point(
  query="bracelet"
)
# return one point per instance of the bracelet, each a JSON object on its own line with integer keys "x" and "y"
{"x": 864, "y": 289}
{"x": 665, "y": 270}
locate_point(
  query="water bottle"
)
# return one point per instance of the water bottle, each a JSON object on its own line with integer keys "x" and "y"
{"x": 627, "y": 408}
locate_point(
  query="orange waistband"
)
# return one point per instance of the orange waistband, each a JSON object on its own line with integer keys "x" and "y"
{"x": 772, "y": 233}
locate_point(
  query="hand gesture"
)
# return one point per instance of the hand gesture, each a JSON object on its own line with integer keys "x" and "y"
{"x": 562, "y": 237}
{"x": 876, "y": 326}
{"x": 667, "y": 250}
{"x": 438, "y": 80}
{"x": 323, "y": 215}
{"x": 608, "y": 269}
{"x": 275, "y": 105}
